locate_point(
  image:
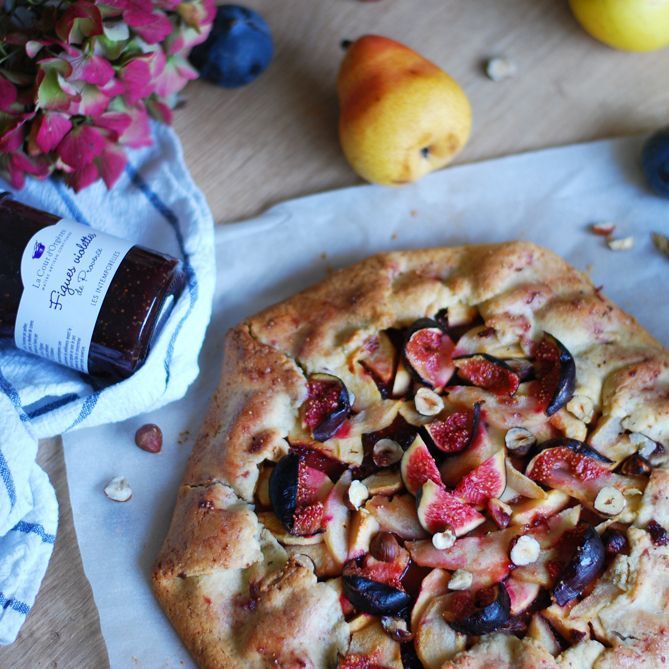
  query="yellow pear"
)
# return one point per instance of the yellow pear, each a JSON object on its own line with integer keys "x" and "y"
{"x": 400, "y": 116}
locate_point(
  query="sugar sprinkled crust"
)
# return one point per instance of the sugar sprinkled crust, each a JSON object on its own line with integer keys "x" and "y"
{"x": 238, "y": 598}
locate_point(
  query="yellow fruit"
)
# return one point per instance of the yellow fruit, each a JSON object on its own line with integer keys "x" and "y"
{"x": 400, "y": 115}
{"x": 631, "y": 25}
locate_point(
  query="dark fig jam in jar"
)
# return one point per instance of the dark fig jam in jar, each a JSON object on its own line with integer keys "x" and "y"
{"x": 80, "y": 297}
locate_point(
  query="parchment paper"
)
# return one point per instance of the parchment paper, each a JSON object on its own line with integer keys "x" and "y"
{"x": 550, "y": 197}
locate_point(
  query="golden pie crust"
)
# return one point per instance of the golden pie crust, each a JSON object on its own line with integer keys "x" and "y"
{"x": 238, "y": 598}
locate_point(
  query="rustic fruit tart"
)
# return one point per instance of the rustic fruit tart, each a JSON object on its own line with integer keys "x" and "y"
{"x": 444, "y": 458}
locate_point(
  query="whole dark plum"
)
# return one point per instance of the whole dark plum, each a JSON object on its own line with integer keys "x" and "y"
{"x": 238, "y": 49}
{"x": 655, "y": 162}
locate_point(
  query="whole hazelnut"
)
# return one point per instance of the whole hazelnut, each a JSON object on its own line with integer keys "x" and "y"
{"x": 149, "y": 438}
{"x": 384, "y": 547}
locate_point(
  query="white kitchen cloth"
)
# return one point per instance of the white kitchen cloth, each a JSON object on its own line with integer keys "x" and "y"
{"x": 156, "y": 204}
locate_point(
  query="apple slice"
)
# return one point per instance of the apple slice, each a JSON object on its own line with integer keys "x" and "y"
{"x": 578, "y": 470}
{"x": 521, "y": 594}
{"x": 485, "y": 557}
{"x": 397, "y": 515}
{"x": 384, "y": 482}
{"x": 520, "y": 485}
{"x": 439, "y": 510}
{"x": 372, "y": 647}
{"x": 433, "y": 585}
{"x": 540, "y": 631}
{"x": 435, "y": 640}
{"x": 337, "y": 519}
{"x": 485, "y": 482}
{"x": 379, "y": 359}
{"x": 532, "y": 510}
{"x": 363, "y": 527}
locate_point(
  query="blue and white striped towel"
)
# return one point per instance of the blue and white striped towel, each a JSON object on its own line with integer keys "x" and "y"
{"x": 156, "y": 204}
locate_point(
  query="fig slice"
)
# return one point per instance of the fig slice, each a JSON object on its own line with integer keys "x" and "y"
{"x": 480, "y": 612}
{"x": 577, "y": 470}
{"x": 439, "y": 510}
{"x": 487, "y": 372}
{"x": 454, "y": 432}
{"x": 373, "y": 597}
{"x": 327, "y": 405}
{"x": 583, "y": 567}
{"x": 556, "y": 371}
{"x": 485, "y": 482}
{"x": 296, "y": 493}
{"x": 427, "y": 350}
{"x": 418, "y": 466}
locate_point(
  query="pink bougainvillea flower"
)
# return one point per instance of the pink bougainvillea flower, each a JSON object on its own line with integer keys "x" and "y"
{"x": 159, "y": 110}
{"x": 81, "y": 145}
{"x": 138, "y": 133}
{"x": 80, "y": 20}
{"x": 18, "y": 165}
{"x": 50, "y": 94}
{"x": 152, "y": 26}
{"x": 91, "y": 101}
{"x": 47, "y": 131}
{"x": 136, "y": 76}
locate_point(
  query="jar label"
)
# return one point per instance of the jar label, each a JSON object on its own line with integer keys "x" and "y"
{"x": 66, "y": 270}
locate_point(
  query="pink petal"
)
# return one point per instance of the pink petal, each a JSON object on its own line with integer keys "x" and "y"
{"x": 111, "y": 164}
{"x": 81, "y": 146}
{"x": 7, "y": 94}
{"x": 152, "y": 28}
{"x": 116, "y": 122}
{"x": 48, "y": 130}
{"x": 138, "y": 133}
{"x": 136, "y": 75}
{"x": 83, "y": 177}
{"x": 113, "y": 88}
{"x": 91, "y": 69}
{"x": 160, "y": 111}
{"x": 81, "y": 19}
{"x": 37, "y": 167}
{"x": 92, "y": 102}
{"x": 12, "y": 138}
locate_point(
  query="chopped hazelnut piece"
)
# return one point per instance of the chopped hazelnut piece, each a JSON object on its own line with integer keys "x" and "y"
{"x": 386, "y": 452}
{"x": 118, "y": 489}
{"x": 445, "y": 539}
{"x": 610, "y": 501}
{"x": 604, "y": 228}
{"x": 500, "y": 68}
{"x": 357, "y": 494}
{"x": 525, "y": 551}
{"x": 519, "y": 440}
{"x": 460, "y": 580}
{"x": 427, "y": 402}
{"x": 661, "y": 243}
{"x": 621, "y": 244}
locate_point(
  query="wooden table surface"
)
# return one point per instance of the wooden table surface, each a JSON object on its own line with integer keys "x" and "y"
{"x": 277, "y": 139}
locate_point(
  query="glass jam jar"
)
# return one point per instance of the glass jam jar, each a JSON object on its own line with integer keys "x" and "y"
{"x": 79, "y": 297}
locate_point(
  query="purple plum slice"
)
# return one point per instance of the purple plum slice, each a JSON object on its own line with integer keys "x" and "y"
{"x": 373, "y": 597}
{"x": 556, "y": 371}
{"x": 583, "y": 567}
{"x": 481, "y": 612}
{"x": 327, "y": 405}
{"x": 428, "y": 350}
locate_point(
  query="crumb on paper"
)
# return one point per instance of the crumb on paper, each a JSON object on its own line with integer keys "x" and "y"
{"x": 621, "y": 243}
{"x": 184, "y": 436}
{"x": 603, "y": 228}
{"x": 413, "y": 213}
{"x": 500, "y": 68}
{"x": 393, "y": 237}
{"x": 324, "y": 256}
{"x": 589, "y": 267}
{"x": 661, "y": 243}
